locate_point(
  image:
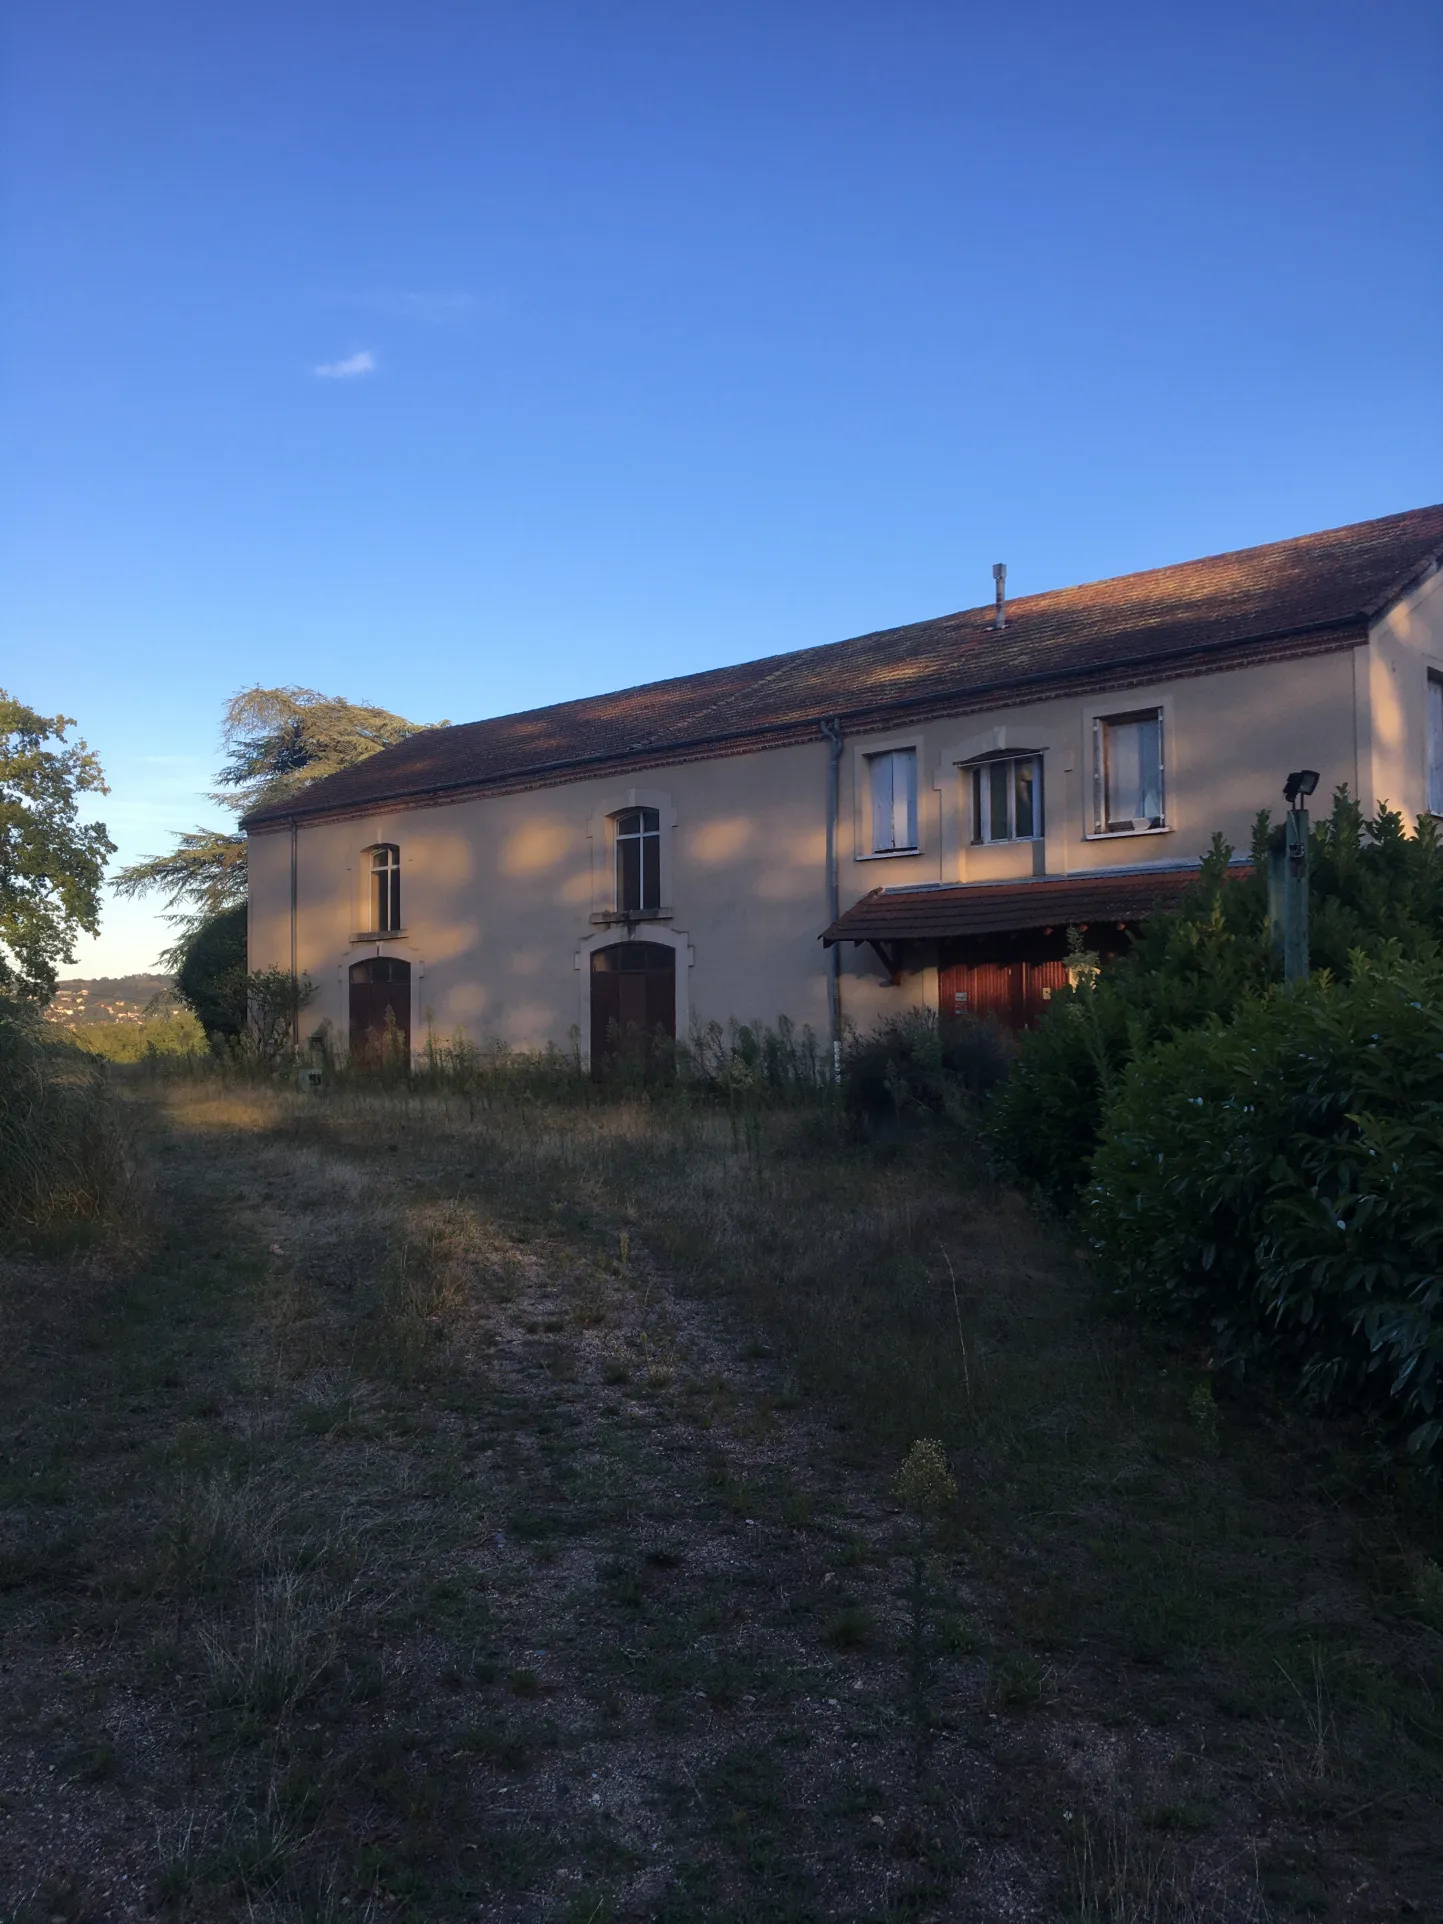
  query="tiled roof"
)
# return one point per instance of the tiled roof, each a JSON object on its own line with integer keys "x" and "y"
{"x": 1312, "y": 590}
{"x": 994, "y": 908}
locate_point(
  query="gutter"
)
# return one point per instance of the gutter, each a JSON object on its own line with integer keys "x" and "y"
{"x": 832, "y": 730}
{"x": 295, "y": 978}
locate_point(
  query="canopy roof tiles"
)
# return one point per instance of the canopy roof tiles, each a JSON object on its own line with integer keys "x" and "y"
{"x": 1314, "y": 592}
{"x": 942, "y": 912}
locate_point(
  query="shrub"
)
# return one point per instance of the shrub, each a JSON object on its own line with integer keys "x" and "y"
{"x": 1278, "y": 1181}
{"x": 176, "y": 1033}
{"x": 62, "y": 1152}
{"x": 912, "y": 1064}
{"x": 1371, "y": 884}
{"x": 753, "y": 1060}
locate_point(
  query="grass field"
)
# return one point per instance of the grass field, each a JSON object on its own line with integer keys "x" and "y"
{"x": 440, "y": 1508}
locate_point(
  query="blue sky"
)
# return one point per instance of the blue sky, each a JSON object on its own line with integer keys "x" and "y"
{"x": 662, "y": 335}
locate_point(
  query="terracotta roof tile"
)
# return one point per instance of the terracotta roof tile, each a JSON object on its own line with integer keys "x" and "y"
{"x": 1317, "y": 586}
{"x": 992, "y": 908}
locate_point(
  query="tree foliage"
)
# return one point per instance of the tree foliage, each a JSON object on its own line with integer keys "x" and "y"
{"x": 51, "y": 863}
{"x": 211, "y": 977}
{"x": 278, "y": 740}
{"x": 275, "y": 741}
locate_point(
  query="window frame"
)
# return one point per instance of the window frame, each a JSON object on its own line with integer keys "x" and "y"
{"x": 601, "y": 834}
{"x": 647, "y": 841}
{"x": 866, "y": 825}
{"x": 383, "y": 889}
{"x": 1096, "y": 722}
{"x": 980, "y": 771}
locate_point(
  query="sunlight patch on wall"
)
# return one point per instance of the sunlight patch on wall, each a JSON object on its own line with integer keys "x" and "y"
{"x": 466, "y": 1000}
{"x": 534, "y": 1024}
{"x": 445, "y": 944}
{"x": 1388, "y": 724}
{"x": 722, "y": 841}
{"x": 447, "y": 859}
{"x": 535, "y": 847}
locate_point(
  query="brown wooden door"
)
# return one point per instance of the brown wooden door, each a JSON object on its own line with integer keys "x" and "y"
{"x": 381, "y": 1008}
{"x": 633, "y": 999}
{"x": 1044, "y": 979}
{"x": 1012, "y": 994}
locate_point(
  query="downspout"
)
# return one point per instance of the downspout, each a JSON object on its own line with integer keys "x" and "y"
{"x": 295, "y": 978}
{"x": 833, "y": 732}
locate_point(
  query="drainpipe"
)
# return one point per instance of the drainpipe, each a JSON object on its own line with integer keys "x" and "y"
{"x": 833, "y": 732}
{"x": 295, "y": 978}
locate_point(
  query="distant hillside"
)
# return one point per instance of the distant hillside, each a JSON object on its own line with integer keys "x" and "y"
{"x": 111, "y": 998}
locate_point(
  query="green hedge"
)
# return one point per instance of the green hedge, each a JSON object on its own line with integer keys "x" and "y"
{"x": 1278, "y": 1180}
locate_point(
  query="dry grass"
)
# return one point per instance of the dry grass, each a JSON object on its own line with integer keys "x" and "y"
{"x": 483, "y": 1508}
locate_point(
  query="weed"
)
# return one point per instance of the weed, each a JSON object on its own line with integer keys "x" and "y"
{"x": 268, "y": 1659}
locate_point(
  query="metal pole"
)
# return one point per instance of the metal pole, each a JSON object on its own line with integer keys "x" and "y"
{"x": 1277, "y": 891}
{"x": 1295, "y": 897}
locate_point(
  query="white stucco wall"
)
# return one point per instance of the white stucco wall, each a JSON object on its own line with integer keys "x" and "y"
{"x": 503, "y": 895}
{"x": 1406, "y": 642}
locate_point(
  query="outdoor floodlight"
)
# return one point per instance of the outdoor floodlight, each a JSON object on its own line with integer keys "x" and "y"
{"x": 1301, "y": 783}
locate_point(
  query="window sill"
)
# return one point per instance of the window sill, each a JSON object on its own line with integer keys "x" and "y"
{"x": 887, "y": 855}
{"x": 380, "y": 935}
{"x": 1125, "y": 834}
{"x": 613, "y": 918}
{"x": 1016, "y": 841}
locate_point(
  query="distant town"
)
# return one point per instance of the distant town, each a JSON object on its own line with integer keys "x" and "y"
{"x": 106, "y": 999}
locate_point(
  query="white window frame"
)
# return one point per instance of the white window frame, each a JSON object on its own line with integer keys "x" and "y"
{"x": 601, "y": 831}
{"x": 1433, "y": 738}
{"x": 1095, "y": 720}
{"x": 384, "y": 905}
{"x": 980, "y": 801}
{"x": 866, "y": 825}
{"x": 643, "y": 835}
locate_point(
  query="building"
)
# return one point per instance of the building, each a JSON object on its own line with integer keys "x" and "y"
{"x": 911, "y": 817}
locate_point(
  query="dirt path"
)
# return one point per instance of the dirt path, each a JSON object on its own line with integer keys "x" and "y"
{"x": 381, "y": 1551}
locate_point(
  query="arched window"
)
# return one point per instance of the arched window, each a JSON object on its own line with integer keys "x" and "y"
{"x": 638, "y": 861}
{"x": 386, "y": 889}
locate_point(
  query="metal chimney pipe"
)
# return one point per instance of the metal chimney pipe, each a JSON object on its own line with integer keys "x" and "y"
{"x": 999, "y": 575}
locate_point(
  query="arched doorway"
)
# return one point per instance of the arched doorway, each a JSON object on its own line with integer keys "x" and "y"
{"x": 381, "y": 1008}
{"x": 633, "y": 999}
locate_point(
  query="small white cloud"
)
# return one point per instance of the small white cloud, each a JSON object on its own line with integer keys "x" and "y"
{"x": 362, "y": 363}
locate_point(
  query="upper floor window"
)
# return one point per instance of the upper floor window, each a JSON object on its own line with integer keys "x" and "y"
{"x": 638, "y": 861}
{"x": 1007, "y": 799}
{"x": 893, "y": 783}
{"x": 386, "y": 889}
{"x": 1435, "y": 744}
{"x": 1127, "y": 772}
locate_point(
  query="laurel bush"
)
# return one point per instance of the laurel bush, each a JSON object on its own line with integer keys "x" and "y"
{"x": 1277, "y": 1180}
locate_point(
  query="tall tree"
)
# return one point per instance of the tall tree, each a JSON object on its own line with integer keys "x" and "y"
{"x": 51, "y": 863}
{"x": 275, "y": 741}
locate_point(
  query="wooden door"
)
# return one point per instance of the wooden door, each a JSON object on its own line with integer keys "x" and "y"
{"x": 381, "y": 1009}
{"x": 1044, "y": 979}
{"x": 633, "y": 1000}
{"x": 1012, "y": 994}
